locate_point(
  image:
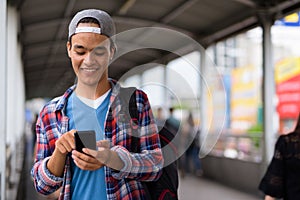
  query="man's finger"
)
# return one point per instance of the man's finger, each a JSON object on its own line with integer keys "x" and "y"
{"x": 86, "y": 162}
{"x": 90, "y": 152}
{"x": 103, "y": 143}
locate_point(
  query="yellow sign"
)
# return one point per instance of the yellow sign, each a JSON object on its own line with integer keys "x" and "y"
{"x": 292, "y": 18}
{"x": 244, "y": 97}
{"x": 287, "y": 69}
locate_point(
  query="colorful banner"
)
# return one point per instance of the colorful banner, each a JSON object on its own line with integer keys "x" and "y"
{"x": 287, "y": 76}
{"x": 244, "y": 97}
{"x": 286, "y": 69}
{"x": 290, "y": 20}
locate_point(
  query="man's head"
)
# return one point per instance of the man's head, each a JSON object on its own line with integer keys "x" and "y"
{"x": 91, "y": 46}
{"x": 171, "y": 110}
{"x": 102, "y": 18}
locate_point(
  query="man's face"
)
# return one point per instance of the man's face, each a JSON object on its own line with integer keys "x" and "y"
{"x": 90, "y": 54}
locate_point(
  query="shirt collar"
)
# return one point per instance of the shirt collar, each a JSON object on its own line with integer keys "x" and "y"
{"x": 115, "y": 86}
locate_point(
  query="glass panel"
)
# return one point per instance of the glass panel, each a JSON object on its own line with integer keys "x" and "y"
{"x": 239, "y": 60}
{"x": 286, "y": 43}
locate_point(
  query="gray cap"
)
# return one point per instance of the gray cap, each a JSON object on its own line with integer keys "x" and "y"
{"x": 106, "y": 23}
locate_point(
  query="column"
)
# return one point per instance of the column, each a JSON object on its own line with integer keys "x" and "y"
{"x": 269, "y": 133}
{"x": 3, "y": 81}
{"x": 203, "y": 102}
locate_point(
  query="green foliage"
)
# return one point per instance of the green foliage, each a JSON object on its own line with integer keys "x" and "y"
{"x": 257, "y": 128}
{"x": 255, "y": 133}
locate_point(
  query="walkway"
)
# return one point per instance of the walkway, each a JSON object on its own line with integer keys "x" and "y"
{"x": 194, "y": 188}
{"x": 190, "y": 188}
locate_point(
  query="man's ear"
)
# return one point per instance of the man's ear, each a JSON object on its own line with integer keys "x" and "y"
{"x": 68, "y": 45}
{"x": 112, "y": 53}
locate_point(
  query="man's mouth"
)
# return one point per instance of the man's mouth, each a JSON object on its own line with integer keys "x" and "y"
{"x": 89, "y": 69}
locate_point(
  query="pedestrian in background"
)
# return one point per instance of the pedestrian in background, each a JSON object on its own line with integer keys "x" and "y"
{"x": 282, "y": 178}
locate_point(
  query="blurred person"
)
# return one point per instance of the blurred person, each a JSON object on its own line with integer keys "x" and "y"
{"x": 172, "y": 123}
{"x": 112, "y": 171}
{"x": 190, "y": 160}
{"x": 196, "y": 151}
{"x": 160, "y": 119}
{"x": 282, "y": 178}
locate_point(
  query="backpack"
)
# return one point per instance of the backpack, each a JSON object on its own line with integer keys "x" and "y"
{"x": 166, "y": 187}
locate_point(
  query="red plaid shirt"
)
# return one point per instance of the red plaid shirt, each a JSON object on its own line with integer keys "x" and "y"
{"x": 123, "y": 184}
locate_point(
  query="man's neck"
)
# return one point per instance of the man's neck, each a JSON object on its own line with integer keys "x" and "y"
{"x": 90, "y": 92}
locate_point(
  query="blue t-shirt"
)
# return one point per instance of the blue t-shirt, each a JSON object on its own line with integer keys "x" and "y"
{"x": 87, "y": 185}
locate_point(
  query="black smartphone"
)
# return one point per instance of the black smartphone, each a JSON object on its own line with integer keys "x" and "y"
{"x": 85, "y": 139}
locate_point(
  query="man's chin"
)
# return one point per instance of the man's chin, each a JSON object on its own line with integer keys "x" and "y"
{"x": 88, "y": 83}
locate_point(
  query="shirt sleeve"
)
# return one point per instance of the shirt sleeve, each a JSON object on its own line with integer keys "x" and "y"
{"x": 272, "y": 182}
{"x": 147, "y": 164}
{"x": 44, "y": 182}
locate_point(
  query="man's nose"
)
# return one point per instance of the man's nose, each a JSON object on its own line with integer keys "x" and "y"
{"x": 89, "y": 59}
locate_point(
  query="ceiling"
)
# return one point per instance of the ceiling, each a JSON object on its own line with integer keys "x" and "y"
{"x": 43, "y": 33}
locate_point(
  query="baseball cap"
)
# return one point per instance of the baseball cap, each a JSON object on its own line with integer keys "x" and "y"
{"x": 107, "y": 26}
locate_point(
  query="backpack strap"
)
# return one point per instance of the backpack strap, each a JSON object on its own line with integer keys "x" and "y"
{"x": 128, "y": 99}
{"x": 128, "y": 106}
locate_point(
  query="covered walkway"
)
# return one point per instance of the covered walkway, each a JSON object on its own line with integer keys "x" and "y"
{"x": 190, "y": 187}
{"x": 34, "y": 64}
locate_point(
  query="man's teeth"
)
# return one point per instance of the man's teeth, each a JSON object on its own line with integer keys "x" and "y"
{"x": 89, "y": 70}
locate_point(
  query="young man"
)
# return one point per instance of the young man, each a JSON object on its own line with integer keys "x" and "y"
{"x": 111, "y": 172}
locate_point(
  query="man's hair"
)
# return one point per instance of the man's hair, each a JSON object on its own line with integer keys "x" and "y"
{"x": 89, "y": 20}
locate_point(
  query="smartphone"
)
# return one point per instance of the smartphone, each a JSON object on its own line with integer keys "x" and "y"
{"x": 85, "y": 139}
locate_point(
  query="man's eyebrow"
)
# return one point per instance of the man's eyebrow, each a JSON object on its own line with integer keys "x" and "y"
{"x": 78, "y": 46}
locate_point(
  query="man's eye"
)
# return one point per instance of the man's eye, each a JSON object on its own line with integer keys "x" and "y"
{"x": 80, "y": 53}
{"x": 99, "y": 53}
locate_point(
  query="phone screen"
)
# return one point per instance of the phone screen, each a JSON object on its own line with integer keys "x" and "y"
{"x": 85, "y": 139}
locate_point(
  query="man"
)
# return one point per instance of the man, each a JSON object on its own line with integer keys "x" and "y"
{"x": 172, "y": 123}
{"x": 160, "y": 119}
{"x": 111, "y": 172}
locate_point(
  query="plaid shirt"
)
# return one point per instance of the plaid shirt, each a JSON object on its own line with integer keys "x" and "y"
{"x": 123, "y": 184}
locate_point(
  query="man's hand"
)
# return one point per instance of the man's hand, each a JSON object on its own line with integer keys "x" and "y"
{"x": 105, "y": 156}
{"x": 66, "y": 143}
{"x": 91, "y": 160}
{"x": 86, "y": 162}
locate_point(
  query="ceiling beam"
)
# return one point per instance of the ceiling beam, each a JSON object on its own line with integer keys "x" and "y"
{"x": 138, "y": 22}
{"x": 58, "y": 37}
{"x": 178, "y": 11}
{"x": 148, "y": 23}
{"x": 248, "y": 3}
{"x": 43, "y": 24}
{"x": 62, "y": 28}
{"x": 125, "y": 7}
{"x": 168, "y": 18}
{"x": 230, "y": 30}
{"x": 284, "y": 8}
